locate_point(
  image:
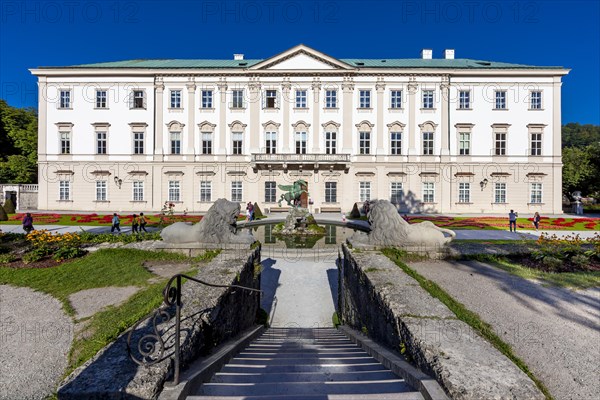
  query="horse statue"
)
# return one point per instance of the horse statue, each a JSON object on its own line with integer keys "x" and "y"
{"x": 292, "y": 192}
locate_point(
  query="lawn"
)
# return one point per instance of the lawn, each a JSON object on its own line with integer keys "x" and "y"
{"x": 109, "y": 267}
{"x": 501, "y": 223}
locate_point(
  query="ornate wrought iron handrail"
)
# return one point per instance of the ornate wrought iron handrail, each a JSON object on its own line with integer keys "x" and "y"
{"x": 151, "y": 347}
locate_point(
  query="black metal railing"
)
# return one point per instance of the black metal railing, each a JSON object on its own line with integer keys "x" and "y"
{"x": 151, "y": 346}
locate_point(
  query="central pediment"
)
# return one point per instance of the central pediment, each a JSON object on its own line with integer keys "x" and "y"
{"x": 301, "y": 57}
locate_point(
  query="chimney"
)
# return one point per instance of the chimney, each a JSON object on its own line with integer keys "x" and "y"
{"x": 426, "y": 54}
{"x": 238, "y": 56}
{"x": 449, "y": 54}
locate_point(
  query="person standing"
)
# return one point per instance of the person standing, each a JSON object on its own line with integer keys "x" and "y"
{"x": 143, "y": 223}
{"x": 536, "y": 220}
{"x": 251, "y": 206}
{"x": 512, "y": 220}
{"x": 135, "y": 222}
{"x": 116, "y": 223}
{"x": 28, "y": 223}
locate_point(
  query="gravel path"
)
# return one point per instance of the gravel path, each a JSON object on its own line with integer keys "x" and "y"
{"x": 556, "y": 331}
{"x": 35, "y": 337}
{"x": 88, "y": 302}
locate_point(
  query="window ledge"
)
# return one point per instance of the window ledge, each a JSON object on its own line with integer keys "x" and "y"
{"x": 101, "y": 108}
{"x": 535, "y": 109}
{"x": 429, "y": 202}
{"x": 396, "y": 109}
{"x": 138, "y": 201}
{"x": 465, "y": 109}
{"x": 64, "y": 108}
{"x": 499, "y": 109}
{"x": 175, "y": 202}
{"x": 428, "y": 109}
{"x": 101, "y": 201}
{"x": 499, "y": 203}
{"x": 331, "y": 108}
{"x": 207, "y": 109}
{"x": 237, "y": 108}
{"x": 365, "y": 108}
{"x": 64, "y": 201}
{"x": 271, "y": 108}
{"x": 204, "y": 202}
{"x": 461, "y": 202}
{"x": 138, "y": 108}
{"x": 536, "y": 204}
{"x": 175, "y": 108}
{"x": 301, "y": 108}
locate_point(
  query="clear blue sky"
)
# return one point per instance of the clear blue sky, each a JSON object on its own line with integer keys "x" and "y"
{"x": 43, "y": 33}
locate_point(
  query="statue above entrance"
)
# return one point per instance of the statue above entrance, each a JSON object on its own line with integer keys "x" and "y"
{"x": 293, "y": 193}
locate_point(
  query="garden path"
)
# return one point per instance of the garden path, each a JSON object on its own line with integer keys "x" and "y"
{"x": 555, "y": 331}
{"x": 35, "y": 338}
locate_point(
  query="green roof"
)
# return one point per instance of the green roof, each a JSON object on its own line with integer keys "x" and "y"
{"x": 459, "y": 63}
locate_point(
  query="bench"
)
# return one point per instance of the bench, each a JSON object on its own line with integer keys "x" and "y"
{"x": 278, "y": 209}
{"x": 331, "y": 209}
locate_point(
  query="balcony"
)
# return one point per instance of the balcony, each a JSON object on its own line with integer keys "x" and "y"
{"x": 316, "y": 162}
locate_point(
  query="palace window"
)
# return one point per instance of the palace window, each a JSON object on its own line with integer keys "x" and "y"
{"x": 270, "y": 142}
{"x": 65, "y": 99}
{"x": 464, "y": 99}
{"x": 536, "y": 100}
{"x": 331, "y": 99}
{"x": 100, "y": 190}
{"x": 270, "y": 192}
{"x": 206, "y": 142}
{"x": 101, "y": 99}
{"x": 396, "y": 143}
{"x": 237, "y": 98}
{"x": 396, "y": 99}
{"x": 271, "y": 99}
{"x": 300, "y": 98}
{"x": 364, "y": 99}
{"x": 364, "y": 191}
{"x": 301, "y": 139}
{"x": 236, "y": 192}
{"x": 330, "y": 192}
{"x": 205, "y": 191}
{"x": 395, "y": 192}
{"x": 464, "y": 143}
{"x": 138, "y": 190}
{"x": 100, "y": 142}
{"x": 500, "y": 100}
{"x": 65, "y": 142}
{"x": 427, "y": 143}
{"x": 500, "y": 192}
{"x": 207, "y": 99}
{"x": 428, "y": 192}
{"x": 536, "y": 193}
{"x": 174, "y": 191}
{"x": 138, "y": 142}
{"x": 500, "y": 144}
{"x": 64, "y": 190}
{"x": 138, "y": 99}
{"x": 536, "y": 144}
{"x": 330, "y": 142}
{"x": 175, "y": 142}
{"x": 175, "y": 98}
{"x": 464, "y": 192}
{"x": 237, "y": 142}
{"x": 364, "y": 142}
{"x": 428, "y": 99}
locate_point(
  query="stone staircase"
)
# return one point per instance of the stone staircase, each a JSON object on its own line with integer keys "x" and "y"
{"x": 304, "y": 363}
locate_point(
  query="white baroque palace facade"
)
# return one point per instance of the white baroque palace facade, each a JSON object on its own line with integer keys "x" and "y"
{"x": 432, "y": 135}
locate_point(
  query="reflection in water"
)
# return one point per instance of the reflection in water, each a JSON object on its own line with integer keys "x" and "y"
{"x": 334, "y": 235}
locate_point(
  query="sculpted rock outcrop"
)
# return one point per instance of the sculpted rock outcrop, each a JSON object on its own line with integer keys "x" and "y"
{"x": 388, "y": 228}
{"x": 217, "y": 226}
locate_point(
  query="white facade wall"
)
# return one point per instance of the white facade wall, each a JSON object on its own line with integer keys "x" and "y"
{"x": 446, "y": 168}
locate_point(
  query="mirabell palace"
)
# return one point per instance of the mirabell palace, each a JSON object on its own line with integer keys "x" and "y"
{"x": 430, "y": 134}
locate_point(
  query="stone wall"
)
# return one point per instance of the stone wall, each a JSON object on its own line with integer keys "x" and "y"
{"x": 209, "y": 317}
{"x": 378, "y": 298}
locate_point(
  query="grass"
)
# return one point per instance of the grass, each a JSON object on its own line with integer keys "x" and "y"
{"x": 108, "y": 267}
{"x": 472, "y": 319}
{"x": 576, "y": 280}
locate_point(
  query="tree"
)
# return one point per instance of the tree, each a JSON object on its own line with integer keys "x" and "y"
{"x": 3, "y": 216}
{"x": 577, "y": 135}
{"x": 577, "y": 168}
{"x": 18, "y": 144}
{"x": 9, "y": 207}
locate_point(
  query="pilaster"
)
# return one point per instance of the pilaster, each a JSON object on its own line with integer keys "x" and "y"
{"x": 286, "y": 87}
{"x": 348, "y": 106}
{"x": 191, "y": 87}
{"x": 159, "y": 88}
{"x": 316, "y": 134}
{"x": 445, "y": 125}
{"x": 412, "y": 116}
{"x": 219, "y": 145}
{"x": 380, "y": 88}
{"x": 255, "y": 103}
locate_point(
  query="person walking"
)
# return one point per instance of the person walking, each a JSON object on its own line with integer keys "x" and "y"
{"x": 116, "y": 223}
{"x": 512, "y": 220}
{"x": 135, "y": 222}
{"x": 143, "y": 223}
{"x": 28, "y": 223}
{"x": 536, "y": 220}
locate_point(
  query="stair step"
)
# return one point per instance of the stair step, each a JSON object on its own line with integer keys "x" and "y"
{"x": 257, "y": 377}
{"x": 377, "y": 396}
{"x": 306, "y": 388}
{"x": 302, "y": 355}
{"x": 316, "y": 368}
{"x": 366, "y": 359}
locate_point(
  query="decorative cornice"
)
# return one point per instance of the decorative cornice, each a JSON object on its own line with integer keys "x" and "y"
{"x": 236, "y": 122}
{"x": 297, "y": 124}
{"x": 175, "y": 124}
{"x": 326, "y": 124}
{"x": 204, "y": 124}
{"x": 100, "y": 124}
{"x": 365, "y": 122}
{"x": 424, "y": 124}
{"x": 174, "y": 173}
{"x": 275, "y": 124}
{"x": 64, "y": 124}
{"x": 138, "y": 124}
{"x": 396, "y": 123}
